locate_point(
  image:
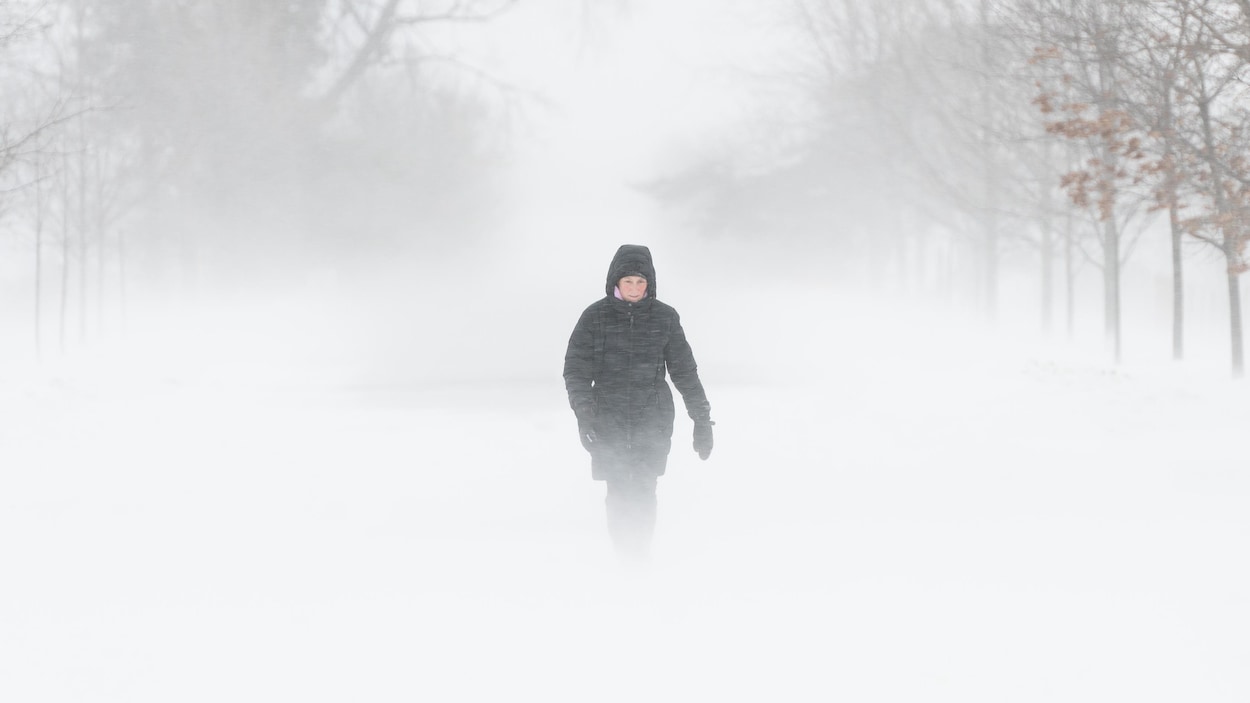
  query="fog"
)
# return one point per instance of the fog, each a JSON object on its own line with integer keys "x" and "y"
{"x": 283, "y": 415}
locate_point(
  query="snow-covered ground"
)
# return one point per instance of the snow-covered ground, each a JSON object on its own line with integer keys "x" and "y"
{"x": 890, "y": 514}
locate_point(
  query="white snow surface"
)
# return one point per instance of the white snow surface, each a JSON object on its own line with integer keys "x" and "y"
{"x": 896, "y": 510}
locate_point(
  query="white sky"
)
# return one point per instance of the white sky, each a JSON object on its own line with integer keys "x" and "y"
{"x": 628, "y": 96}
{"x": 628, "y": 86}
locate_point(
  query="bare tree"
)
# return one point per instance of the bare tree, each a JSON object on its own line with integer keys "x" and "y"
{"x": 1142, "y": 103}
{"x": 1087, "y": 41}
{"x": 27, "y": 118}
{"x": 364, "y": 33}
{"x": 1212, "y": 83}
{"x": 35, "y": 115}
{"x": 1160, "y": 54}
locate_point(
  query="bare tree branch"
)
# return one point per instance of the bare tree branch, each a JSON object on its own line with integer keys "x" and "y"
{"x": 379, "y": 32}
{"x": 374, "y": 43}
{"x": 459, "y": 12}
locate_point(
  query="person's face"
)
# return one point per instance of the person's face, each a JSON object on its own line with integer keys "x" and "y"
{"x": 633, "y": 288}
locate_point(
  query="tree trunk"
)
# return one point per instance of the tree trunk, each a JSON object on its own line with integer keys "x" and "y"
{"x": 65, "y": 249}
{"x": 101, "y": 228}
{"x": 1230, "y": 236}
{"x": 990, "y": 245}
{"x": 1047, "y": 251}
{"x": 1174, "y": 221}
{"x": 1234, "y": 322}
{"x": 82, "y": 188}
{"x": 1111, "y": 285}
{"x": 1178, "y": 285}
{"x": 38, "y": 262}
{"x": 1110, "y": 232}
{"x": 989, "y": 254}
{"x": 1069, "y": 275}
{"x": 121, "y": 281}
{"x": 82, "y": 234}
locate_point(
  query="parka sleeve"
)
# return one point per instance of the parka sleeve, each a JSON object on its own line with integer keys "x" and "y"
{"x": 679, "y": 358}
{"x": 579, "y": 366}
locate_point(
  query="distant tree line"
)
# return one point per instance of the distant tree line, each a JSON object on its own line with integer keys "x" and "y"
{"x": 1059, "y": 127}
{"x": 225, "y": 134}
{"x": 218, "y": 135}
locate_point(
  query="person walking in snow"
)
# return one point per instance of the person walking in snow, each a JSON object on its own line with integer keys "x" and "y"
{"x": 614, "y": 373}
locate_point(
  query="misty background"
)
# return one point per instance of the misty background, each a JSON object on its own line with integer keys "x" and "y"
{"x": 343, "y": 183}
{"x": 367, "y": 188}
{"x": 285, "y": 289}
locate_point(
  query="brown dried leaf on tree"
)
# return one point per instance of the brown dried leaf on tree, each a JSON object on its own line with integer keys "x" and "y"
{"x": 1044, "y": 101}
{"x": 1045, "y": 53}
{"x": 1076, "y": 184}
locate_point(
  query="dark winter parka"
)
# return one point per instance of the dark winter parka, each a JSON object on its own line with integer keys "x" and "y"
{"x": 614, "y": 374}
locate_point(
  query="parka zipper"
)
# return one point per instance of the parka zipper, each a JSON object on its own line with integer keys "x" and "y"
{"x": 629, "y": 421}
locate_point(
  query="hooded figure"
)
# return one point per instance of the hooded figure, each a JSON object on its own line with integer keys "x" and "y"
{"x": 614, "y": 372}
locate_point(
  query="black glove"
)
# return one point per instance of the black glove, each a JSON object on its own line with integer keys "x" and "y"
{"x": 586, "y": 430}
{"x": 703, "y": 438}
